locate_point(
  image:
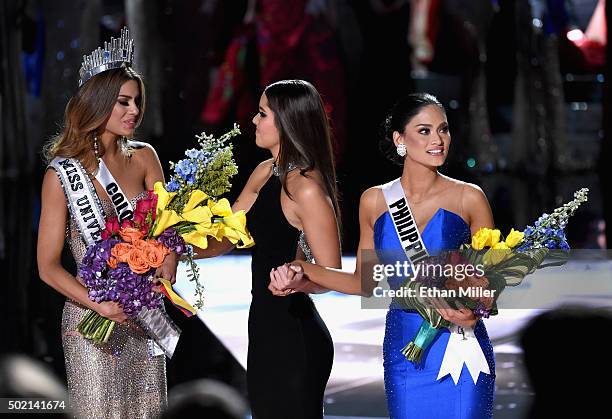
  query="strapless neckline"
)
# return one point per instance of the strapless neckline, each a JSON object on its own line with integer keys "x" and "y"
{"x": 381, "y": 216}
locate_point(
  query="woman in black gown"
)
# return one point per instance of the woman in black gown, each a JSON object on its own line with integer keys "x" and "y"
{"x": 292, "y": 210}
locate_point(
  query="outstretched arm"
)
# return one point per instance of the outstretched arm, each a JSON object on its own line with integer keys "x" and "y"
{"x": 245, "y": 201}
{"x": 329, "y": 278}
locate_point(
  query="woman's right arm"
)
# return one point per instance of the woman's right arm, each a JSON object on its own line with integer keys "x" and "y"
{"x": 349, "y": 283}
{"x": 245, "y": 201}
{"x": 51, "y": 230}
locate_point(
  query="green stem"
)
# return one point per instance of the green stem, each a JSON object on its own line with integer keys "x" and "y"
{"x": 416, "y": 348}
{"x": 109, "y": 331}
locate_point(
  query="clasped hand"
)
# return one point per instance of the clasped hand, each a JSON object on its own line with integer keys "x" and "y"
{"x": 286, "y": 279}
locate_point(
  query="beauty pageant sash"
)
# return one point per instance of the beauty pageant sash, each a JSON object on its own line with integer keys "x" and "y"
{"x": 86, "y": 209}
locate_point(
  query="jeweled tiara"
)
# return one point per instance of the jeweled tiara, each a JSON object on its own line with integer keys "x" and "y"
{"x": 119, "y": 52}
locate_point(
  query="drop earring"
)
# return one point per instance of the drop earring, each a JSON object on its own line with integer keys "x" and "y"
{"x": 96, "y": 149}
{"x": 401, "y": 149}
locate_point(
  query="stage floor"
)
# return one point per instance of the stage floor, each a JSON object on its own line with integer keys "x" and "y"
{"x": 355, "y": 388}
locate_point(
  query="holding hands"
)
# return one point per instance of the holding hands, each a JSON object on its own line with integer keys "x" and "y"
{"x": 287, "y": 279}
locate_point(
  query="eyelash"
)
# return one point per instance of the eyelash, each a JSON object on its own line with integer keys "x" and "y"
{"x": 425, "y": 131}
{"x": 124, "y": 103}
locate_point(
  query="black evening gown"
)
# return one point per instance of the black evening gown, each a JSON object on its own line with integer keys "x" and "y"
{"x": 290, "y": 349}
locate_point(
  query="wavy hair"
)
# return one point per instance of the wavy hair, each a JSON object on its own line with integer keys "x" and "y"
{"x": 88, "y": 112}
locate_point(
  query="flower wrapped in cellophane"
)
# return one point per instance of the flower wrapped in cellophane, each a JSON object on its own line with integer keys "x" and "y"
{"x": 188, "y": 211}
{"x": 498, "y": 262}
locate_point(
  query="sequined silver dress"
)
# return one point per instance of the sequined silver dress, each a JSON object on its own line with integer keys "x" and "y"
{"x": 123, "y": 378}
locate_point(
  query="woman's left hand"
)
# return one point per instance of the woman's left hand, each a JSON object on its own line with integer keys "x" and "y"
{"x": 286, "y": 279}
{"x": 461, "y": 316}
{"x": 167, "y": 271}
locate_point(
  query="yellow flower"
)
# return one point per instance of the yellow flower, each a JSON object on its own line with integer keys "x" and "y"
{"x": 500, "y": 246}
{"x": 163, "y": 196}
{"x": 235, "y": 229}
{"x": 514, "y": 238}
{"x": 196, "y": 239}
{"x": 195, "y": 199}
{"x": 495, "y": 236}
{"x": 481, "y": 238}
{"x": 221, "y": 208}
{"x": 198, "y": 215}
{"x": 210, "y": 229}
{"x": 165, "y": 219}
{"x": 496, "y": 254}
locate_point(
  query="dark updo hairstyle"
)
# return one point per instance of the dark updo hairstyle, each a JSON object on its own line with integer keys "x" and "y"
{"x": 398, "y": 117}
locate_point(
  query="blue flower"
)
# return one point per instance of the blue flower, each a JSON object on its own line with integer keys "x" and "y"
{"x": 185, "y": 168}
{"x": 194, "y": 153}
{"x": 172, "y": 186}
{"x": 198, "y": 155}
{"x": 525, "y": 246}
{"x": 560, "y": 234}
{"x": 528, "y": 231}
{"x": 551, "y": 244}
{"x": 564, "y": 245}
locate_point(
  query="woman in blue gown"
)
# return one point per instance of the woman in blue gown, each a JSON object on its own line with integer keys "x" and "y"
{"x": 447, "y": 212}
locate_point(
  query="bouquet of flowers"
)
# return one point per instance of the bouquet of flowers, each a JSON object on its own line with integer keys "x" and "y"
{"x": 186, "y": 212}
{"x": 503, "y": 263}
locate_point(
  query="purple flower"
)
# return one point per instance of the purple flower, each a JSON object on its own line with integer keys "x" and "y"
{"x": 481, "y": 310}
{"x": 173, "y": 241}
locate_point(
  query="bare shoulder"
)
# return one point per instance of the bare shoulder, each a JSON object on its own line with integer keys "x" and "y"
{"x": 142, "y": 151}
{"x": 473, "y": 194}
{"x": 372, "y": 204}
{"x": 371, "y": 196}
{"x": 264, "y": 168}
{"x": 304, "y": 187}
{"x": 258, "y": 178}
{"x": 51, "y": 181}
{"x": 262, "y": 172}
{"x": 476, "y": 206}
{"x": 52, "y": 192}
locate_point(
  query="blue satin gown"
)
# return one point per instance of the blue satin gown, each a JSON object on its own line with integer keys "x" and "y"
{"x": 415, "y": 392}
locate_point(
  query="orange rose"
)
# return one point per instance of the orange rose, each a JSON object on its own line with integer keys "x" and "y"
{"x": 140, "y": 244}
{"x": 160, "y": 246}
{"x": 121, "y": 251}
{"x": 113, "y": 263}
{"x": 137, "y": 262}
{"x": 153, "y": 254}
{"x": 130, "y": 234}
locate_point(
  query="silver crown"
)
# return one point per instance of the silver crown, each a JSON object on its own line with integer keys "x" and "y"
{"x": 119, "y": 52}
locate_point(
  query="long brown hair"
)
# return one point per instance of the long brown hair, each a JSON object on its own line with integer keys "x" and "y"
{"x": 305, "y": 135}
{"x": 87, "y": 113}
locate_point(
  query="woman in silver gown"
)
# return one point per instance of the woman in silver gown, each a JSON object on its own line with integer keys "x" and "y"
{"x": 125, "y": 377}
